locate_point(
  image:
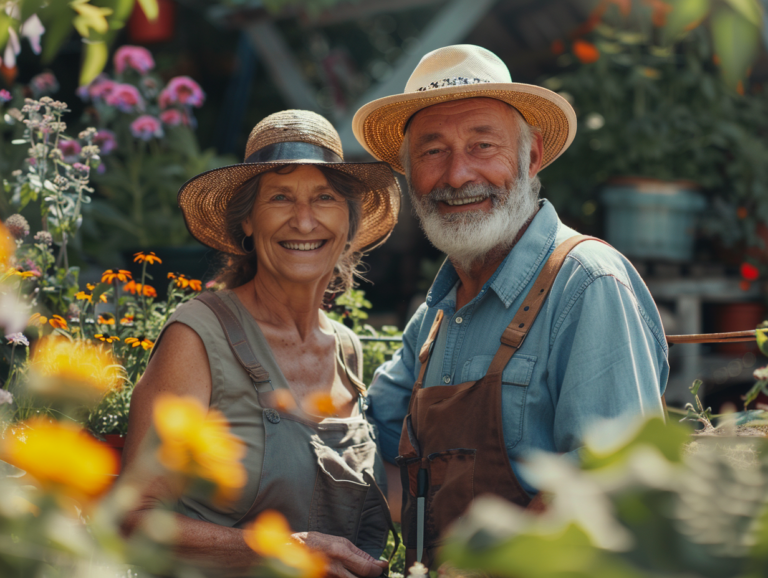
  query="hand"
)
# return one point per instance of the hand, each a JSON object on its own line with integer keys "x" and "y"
{"x": 345, "y": 560}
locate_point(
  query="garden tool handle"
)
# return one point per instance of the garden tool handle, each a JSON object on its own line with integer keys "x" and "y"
{"x": 732, "y": 337}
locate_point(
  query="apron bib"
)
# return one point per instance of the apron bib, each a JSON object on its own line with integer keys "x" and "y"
{"x": 324, "y": 477}
{"x": 452, "y": 443}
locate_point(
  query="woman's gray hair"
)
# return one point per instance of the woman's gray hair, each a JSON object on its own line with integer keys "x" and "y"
{"x": 239, "y": 269}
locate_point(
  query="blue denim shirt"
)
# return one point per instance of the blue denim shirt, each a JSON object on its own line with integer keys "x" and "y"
{"x": 596, "y": 350}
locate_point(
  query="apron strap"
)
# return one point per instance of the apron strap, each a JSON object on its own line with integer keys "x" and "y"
{"x": 236, "y": 337}
{"x": 384, "y": 506}
{"x": 426, "y": 349}
{"x": 516, "y": 332}
{"x": 350, "y": 360}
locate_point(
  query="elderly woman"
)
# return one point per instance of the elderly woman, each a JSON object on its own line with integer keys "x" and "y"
{"x": 295, "y": 219}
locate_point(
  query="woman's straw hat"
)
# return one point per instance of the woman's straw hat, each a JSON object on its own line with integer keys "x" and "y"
{"x": 290, "y": 137}
{"x": 455, "y": 73}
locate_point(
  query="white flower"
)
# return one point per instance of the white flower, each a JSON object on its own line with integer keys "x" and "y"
{"x": 33, "y": 29}
{"x": 17, "y": 339}
{"x": 14, "y": 313}
{"x": 5, "y": 397}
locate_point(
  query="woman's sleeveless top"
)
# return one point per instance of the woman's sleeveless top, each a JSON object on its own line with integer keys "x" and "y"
{"x": 324, "y": 477}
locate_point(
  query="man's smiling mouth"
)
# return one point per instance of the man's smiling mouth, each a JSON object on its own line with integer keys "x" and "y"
{"x": 464, "y": 201}
{"x": 304, "y": 246}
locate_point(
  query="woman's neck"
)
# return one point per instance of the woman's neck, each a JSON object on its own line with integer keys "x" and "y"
{"x": 285, "y": 304}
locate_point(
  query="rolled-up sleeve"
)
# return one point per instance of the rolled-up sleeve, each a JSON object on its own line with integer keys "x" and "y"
{"x": 390, "y": 391}
{"x": 608, "y": 359}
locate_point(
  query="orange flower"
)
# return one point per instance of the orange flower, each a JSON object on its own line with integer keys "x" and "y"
{"x": 148, "y": 291}
{"x": 270, "y": 536}
{"x": 585, "y": 51}
{"x": 106, "y": 320}
{"x": 181, "y": 280}
{"x": 106, "y": 337}
{"x": 62, "y": 457}
{"x": 135, "y": 288}
{"x": 150, "y": 258}
{"x": 111, "y": 274}
{"x": 321, "y": 404}
{"x": 7, "y": 246}
{"x": 58, "y": 322}
{"x": 139, "y": 341}
{"x": 195, "y": 284}
{"x": 127, "y": 319}
{"x": 130, "y": 287}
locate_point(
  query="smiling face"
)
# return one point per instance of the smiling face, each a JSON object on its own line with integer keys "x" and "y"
{"x": 462, "y": 161}
{"x": 299, "y": 224}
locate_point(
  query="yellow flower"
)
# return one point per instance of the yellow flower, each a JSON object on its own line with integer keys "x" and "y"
{"x": 106, "y": 337}
{"x": 150, "y": 258}
{"x": 61, "y": 457}
{"x": 106, "y": 320}
{"x": 38, "y": 320}
{"x": 139, "y": 341}
{"x": 120, "y": 274}
{"x": 22, "y": 274}
{"x": 58, "y": 322}
{"x": 196, "y": 441}
{"x": 270, "y": 536}
{"x": 71, "y": 368}
{"x": 7, "y": 246}
{"x": 84, "y": 296}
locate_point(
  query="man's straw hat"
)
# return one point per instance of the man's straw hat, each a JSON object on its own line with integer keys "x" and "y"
{"x": 290, "y": 137}
{"x": 456, "y": 73}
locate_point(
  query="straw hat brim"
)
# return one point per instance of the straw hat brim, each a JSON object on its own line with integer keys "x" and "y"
{"x": 204, "y": 199}
{"x": 379, "y": 125}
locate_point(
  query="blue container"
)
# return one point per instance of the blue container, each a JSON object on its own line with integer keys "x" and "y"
{"x": 652, "y": 219}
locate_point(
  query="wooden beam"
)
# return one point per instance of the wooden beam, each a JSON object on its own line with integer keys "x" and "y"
{"x": 450, "y": 26}
{"x": 282, "y": 65}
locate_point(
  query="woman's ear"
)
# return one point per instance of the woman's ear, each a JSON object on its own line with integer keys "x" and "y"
{"x": 246, "y": 225}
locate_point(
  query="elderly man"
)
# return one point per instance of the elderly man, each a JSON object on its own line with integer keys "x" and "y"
{"x": 528, "y": 335}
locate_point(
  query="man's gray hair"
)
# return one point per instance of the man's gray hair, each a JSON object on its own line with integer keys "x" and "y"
{"x": 525, "y": 135}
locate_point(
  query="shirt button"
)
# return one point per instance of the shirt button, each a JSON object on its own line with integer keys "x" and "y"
{"x": 459, "y": 320}
{"x": 446, "y": 379}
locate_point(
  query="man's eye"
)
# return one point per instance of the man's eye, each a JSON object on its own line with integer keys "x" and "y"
{"x": 485, "y": 145}
{"x": 432, "y": 152}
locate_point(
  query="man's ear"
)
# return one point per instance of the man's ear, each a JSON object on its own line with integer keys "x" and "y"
{"x": 537, "y": 154}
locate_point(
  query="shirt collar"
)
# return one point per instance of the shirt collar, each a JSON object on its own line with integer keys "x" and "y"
{"x": 517, "y": 269}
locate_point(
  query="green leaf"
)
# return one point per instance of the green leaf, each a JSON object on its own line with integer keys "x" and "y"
{"x": 694, "y": 389}
{"x": 736, "y": 41}
{"x": 96, "y": 55}
{"x": 57, "y": 18}
{"x": 6, "y": 22}
{"x": 30, "y": 7}
{"x": 684, "y": 14}
{"x": 667, "y": 438}
{"x": 762, "y": 340}
{"x": 749, "y": 9}
{"x": 99, "y": 290}
{"x": 122, "y": 10}
{"x": 150, "y": 8}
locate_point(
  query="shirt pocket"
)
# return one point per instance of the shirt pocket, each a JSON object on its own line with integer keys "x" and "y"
{"x": 514, "y": 388}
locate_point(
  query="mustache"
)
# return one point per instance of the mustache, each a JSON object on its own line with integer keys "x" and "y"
{"x": 447, "y": 193}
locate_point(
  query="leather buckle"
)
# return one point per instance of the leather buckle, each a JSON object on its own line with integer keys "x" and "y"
{"x": 513, "y": 337}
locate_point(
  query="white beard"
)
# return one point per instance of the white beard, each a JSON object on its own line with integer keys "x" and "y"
{"x": 468, "y": 237}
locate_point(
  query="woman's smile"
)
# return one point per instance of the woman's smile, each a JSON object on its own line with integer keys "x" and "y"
{"x": 303, "y": 246}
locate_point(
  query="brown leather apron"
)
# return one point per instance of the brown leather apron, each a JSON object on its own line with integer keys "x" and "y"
{"x": 452, "y": 444}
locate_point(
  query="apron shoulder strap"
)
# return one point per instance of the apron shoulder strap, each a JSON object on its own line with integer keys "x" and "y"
{"x": 516, "y": 332}
{"x": 426, "y": 349}
{"x": 236, "y": 337}
{"x": 351, "y": 359}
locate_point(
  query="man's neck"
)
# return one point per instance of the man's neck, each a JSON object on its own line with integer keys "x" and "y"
{"x": 471, "y": 282}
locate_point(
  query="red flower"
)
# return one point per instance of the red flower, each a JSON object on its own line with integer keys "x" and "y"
{"x": 585, "y": 51}
{"x": 749, "y": 272}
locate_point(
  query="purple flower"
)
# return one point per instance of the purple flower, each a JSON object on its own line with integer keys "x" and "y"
{"x": 5, "y": 96}
{"x": 70, "y": 150}
{"x": 146, "y": 127}
{"x": 42, "y": 84}
{"x": 174, "y": 117}
{"x": 125, "y": 97}
{"x": 105, "y": 140}
{"x": 182, "y": 90}
{"x": 135, "y": 57}
{"x": 17, "y": 339}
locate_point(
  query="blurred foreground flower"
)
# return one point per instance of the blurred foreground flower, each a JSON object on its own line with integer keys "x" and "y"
{"x": 69, "y": 369}
{"x": 197, "y": 442}
{"x": 270, "y": 536}
{"x": 61, "y": 456}
{"x": 7, "y": 246}
{"x": 320, "y": 404}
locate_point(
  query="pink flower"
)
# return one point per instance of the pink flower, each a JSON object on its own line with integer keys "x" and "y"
{"x": 125, "y": 97}
{"x": 70, "y": 150}
{"x": 174, "y": 117}
{"x": 145, "y": 127}
{"x": 182, "y": 90}
{"x": 5, "y": 96}
{"x": 105, "y": 140}
{"x": 135, "y": 57}
{"x": 43, "y": 84}
{"x": 98, "y": 90}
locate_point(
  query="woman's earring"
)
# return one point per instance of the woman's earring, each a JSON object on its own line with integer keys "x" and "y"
{"x": 249, "y": 247}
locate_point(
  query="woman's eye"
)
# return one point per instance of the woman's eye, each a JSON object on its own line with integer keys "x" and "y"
{"x": 280, "y": 198}
{"x": 326, "y": 197}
